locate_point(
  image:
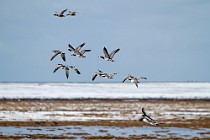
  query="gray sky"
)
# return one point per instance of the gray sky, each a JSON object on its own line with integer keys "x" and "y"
{"x": 163, "y": 40}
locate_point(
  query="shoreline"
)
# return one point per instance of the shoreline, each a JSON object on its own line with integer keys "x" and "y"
{"x": 190, "y": 123}
{"x": 40, "y": 117}
{"x": 106, "y": 99}
{"x": 111, "y": 112}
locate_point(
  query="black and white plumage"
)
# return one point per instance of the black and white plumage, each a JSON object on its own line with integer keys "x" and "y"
{"x": 66, "y": 68}
{"x": 102, "y": 74}
{"x": 57, "y": 52}
{"x": 133, "y": 79}
{"x": 107, "y": 56}
{"x": 71, "y": 13}
{"x": 58, "y": 67}
{"x": 60, "y": 14}
{"x": 77, "y": 51}
{"x": 147, "y": 119}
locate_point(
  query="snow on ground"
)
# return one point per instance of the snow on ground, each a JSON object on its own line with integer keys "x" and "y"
{"x": 84, "y": 111}
{"x": 106, "y": 111}
{"x": 105, "y": 90}
{"x": 56, "y": 116}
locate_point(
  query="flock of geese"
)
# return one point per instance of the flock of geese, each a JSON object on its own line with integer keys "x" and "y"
{"x": 78, "y": 52}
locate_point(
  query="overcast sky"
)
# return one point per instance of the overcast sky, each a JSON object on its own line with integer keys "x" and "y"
{"x": 163, "y": 40}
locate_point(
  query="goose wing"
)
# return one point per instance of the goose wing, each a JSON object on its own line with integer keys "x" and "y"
{"x": 55, "y": 54}
{"x": 80, "y": 46}
{"x": 136, "y": 83}
{"x": 94, "y": 76}
{"x": 113, "y": 74}
{"x": 143, "y": 78}
{"x": 83, "y": 51}
{"x": 63, "y": 56}
{"x": 100, "y": 71}
{"x": 76, "y": 70}
{"x": 62, "y": 12}
{"x": 58, "y": 67}
{"x": 150, "y": 120}
{"x": 113, "y": 53}
{"x": 67, "y": 72}
{"x": 153, "y": 122}
{"x": 106, "y": 54}
{"x": 148, "y": 117}
{"x": 71, "y": 48}
{"x": 125, "y": 78}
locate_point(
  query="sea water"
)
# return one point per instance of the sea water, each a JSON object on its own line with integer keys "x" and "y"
{"x": 160, "y": 132}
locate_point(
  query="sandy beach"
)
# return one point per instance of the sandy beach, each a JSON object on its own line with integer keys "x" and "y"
{"x": 183, "y": 114}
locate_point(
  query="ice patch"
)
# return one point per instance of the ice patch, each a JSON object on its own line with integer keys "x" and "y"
{"x": 105, "y": 90}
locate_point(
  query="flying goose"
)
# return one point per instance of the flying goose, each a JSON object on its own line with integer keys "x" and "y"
{"x": 61, "y": 14}
{"x": 133, "y": 79}
{"x": 58, "y": 67}
{"x": 107, "y": 56}
{"x": 67, "y": 68}
{"x": 56, "y": 52}
{"x": 71, "y": 13}
{"x": 76, "y": 51}
{"x": 147, "y": 119}
{"x": 102, "y": 74}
